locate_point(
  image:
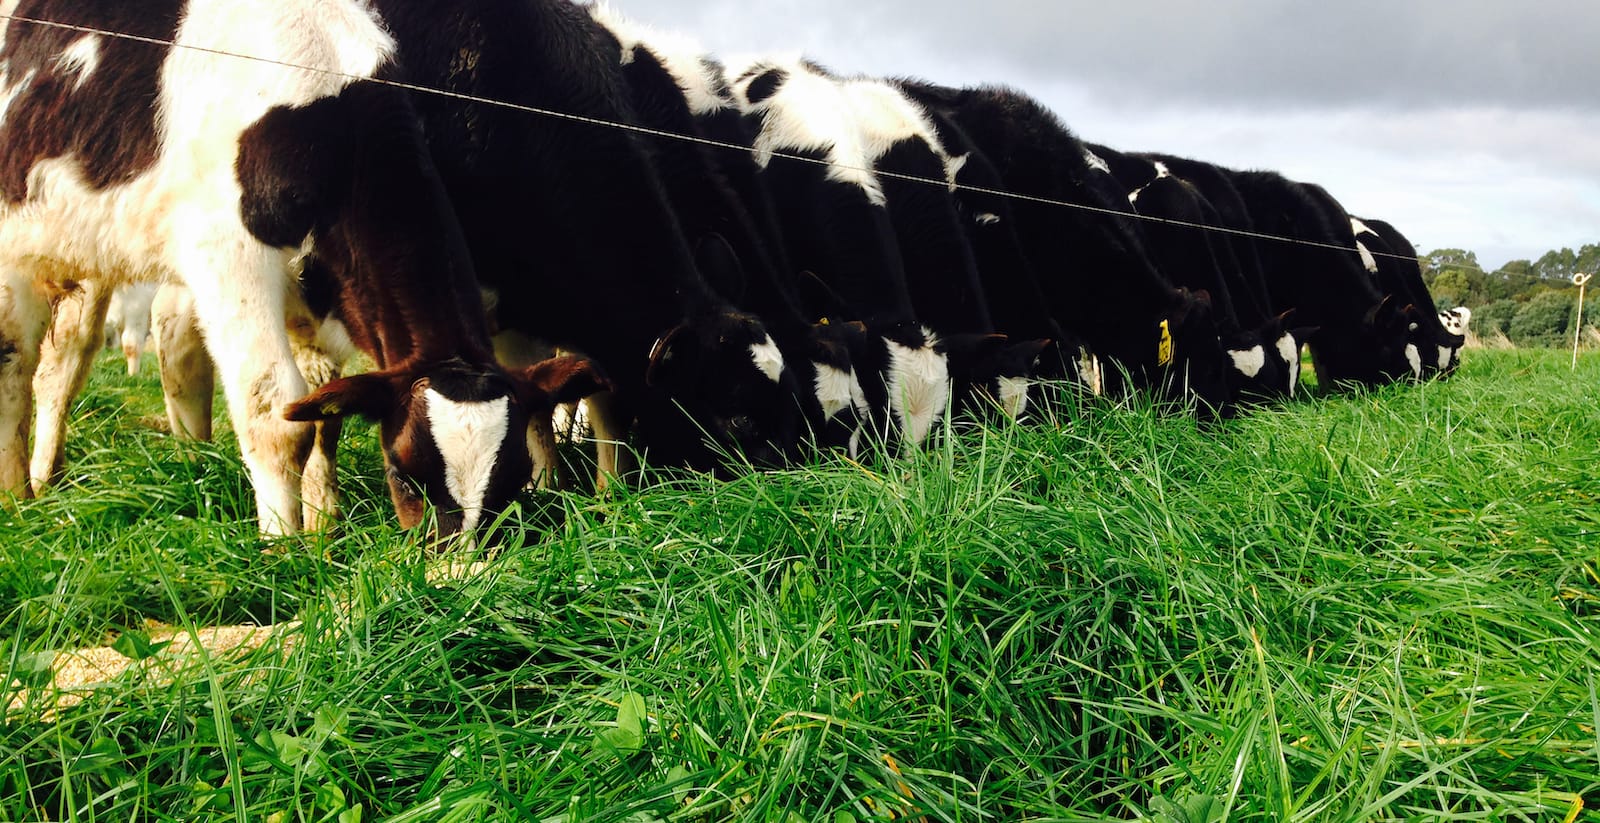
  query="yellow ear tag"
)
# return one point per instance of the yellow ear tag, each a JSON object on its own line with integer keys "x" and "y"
{"x": 1164, "y": 349}
{"x": 823, "y": 321}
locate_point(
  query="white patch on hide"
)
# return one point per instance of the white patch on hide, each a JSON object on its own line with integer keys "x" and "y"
{"x": 1249, "y": 362}
{"x": 1289, "y": 350}
{"x": 469, "y": 437}
{"x": 1095, "y": 161}
{"x": 768, "y": 358}
{"x": 1014, "y": 396}
{"x": 1359, "y": 228}
{"x": 838, "y": 390}
{"x": 680, "y": 55}
{"x": 81, "y": 58}
{"x": 986, "y": 218}
{"x": 952, "y": 168}
{"x": 919, "y": 387}
{"x": 1414, "y": 358}
{"x": 1366, "y": 257}
{"x": 808, "y": 112}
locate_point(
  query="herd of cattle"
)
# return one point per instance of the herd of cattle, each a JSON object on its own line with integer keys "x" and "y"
{"x": 452, "y": 188}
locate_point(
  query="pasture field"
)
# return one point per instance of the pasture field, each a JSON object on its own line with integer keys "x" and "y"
{"x": 1375, "y": 606}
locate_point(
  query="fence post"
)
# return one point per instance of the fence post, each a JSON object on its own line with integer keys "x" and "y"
{"x": 1580, "y": 280}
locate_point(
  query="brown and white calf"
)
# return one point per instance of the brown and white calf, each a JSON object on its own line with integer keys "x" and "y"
{"x": 198, "y": 153}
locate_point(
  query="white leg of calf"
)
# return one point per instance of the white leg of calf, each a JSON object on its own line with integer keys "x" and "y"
{"x": 318, "y": 364}
{"x": 24, "y": 315}
{"x": 240, "y": 290}
{"x": 136, "y": 300}
{"x": 188, "y": 379}
{"x": 65, "y": 359}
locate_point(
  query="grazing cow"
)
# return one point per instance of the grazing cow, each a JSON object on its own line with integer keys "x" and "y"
{"x": 1196, "y": 258}
{"x": 568, "y": 223}
{"x": 193, "y": 152}
{"x": 1392, "y": 260}
{"x": 1097, "y": 280}
{"x": 832, "y": 210}
{"x": 1252, "y": 303}
{"x": 1010, "y": 285}
{"x": 1313, "y": 267}
{"x": 726, "y": 214}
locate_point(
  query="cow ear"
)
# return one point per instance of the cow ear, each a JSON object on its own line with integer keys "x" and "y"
{"x": 1380, "y": 312}
{"x": 557, "y": 380}
{"x": 1028, "y": 350}
{"x": 719, "y": 265}
{"x": 666, "y": 355}
{"x": 371, "y": 395}
{"x": 820, "y": 298}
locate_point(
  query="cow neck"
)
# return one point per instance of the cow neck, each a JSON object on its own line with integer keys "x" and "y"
{"x": 407, "y": 275}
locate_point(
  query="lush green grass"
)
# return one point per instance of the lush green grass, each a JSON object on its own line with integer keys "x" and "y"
{"x": 1373, "y": 606}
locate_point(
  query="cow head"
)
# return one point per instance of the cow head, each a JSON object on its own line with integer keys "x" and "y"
{"x": 1455, "y": 322}
{"x": 454, "y": 433}
{"x": 905, "y": 379}
{"x": 834, "y": 400}
{"x": 989, "y": 371}
{"x": 1383, "y": 347}
{"x": 1188, "y": 354}
{"x": 718, "y": 383}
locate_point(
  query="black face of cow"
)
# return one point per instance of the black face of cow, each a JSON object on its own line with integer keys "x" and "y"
{"x": 1385, "y": 347}
{"x": 836, "y": 407}
{"x": 1187, "y": 342}
{"x": 989, "y": 372}
{"x": 454, "y": 435}
{"x": 719, "y": 384}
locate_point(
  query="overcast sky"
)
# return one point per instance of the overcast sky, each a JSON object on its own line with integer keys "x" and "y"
{"x": 1466, "y": 123}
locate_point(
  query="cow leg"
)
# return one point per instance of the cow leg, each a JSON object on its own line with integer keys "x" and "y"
{"x": 24, "y": 315}
{"x": 136, "y": 323}
{"x": 65, "y": 359}
{"x": 609, "y": 421}
{"x": 188, "y": 378}
{"x": 239, "y": 291}
{"x": 318, "y": 364}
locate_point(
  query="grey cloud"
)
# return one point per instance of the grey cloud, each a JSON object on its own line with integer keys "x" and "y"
{"x": 1226, "y": 52}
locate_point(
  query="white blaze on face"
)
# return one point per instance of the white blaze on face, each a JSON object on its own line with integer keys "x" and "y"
{"x": 1014, "y": 396}
{"x": 919, "y": 387}
{"x": 1249, "y": 362}
{"x": 838, "y": 390}
{"x": 767, "y": 358}
{"x": 1289, "y": 350}
{"x": 1414, "y": 358}
{"x": 80, "y": 58}
{"x": 469, "y": 437}
{"x": 1444, "y": 357}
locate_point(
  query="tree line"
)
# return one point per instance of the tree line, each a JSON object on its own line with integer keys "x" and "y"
{"x": 1531, "y": 302}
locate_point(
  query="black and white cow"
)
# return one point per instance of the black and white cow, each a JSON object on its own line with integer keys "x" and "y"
{"x": 725, "y": 211}
{"x": 1252, "y": 303}
{"x": 1097, "y": 280}
{"x": 833, "y": 213}
{"x": 1392, "y": 260}
{"x": 1313, "y": 267}
{"x": 569, "y": 224}
{"x": 211, "y": 162}
{"x": 1010, "y": 285}
{"x": 1182, "y": 244}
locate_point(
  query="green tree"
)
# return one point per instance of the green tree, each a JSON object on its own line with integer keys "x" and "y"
{"x": 1494, "y": 317}
{"x": 1546, "y": 319}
